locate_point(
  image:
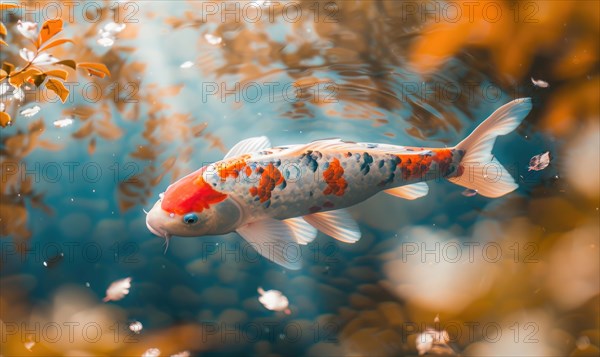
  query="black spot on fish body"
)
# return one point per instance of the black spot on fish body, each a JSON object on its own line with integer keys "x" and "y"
{"x": 267, "y": 203}
{"x": 371, "y": 146}
{"x": 381, "y": 163}
{"x": 310, "y": 193}
{"x": 283, "y": 185}
{"x": 365, "y": 166}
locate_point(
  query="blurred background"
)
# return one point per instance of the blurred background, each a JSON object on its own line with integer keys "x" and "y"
{"x": 149, "y": 91}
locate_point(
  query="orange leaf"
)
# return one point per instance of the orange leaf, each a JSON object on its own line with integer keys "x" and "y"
{"x": 55, "y": 43}
{"x": 3, "y": 74}
{"x": 95, "y": 69}
{"x": 68, "y": 63}
{"x": 8, "y": 67}
{"x": 2, "y": 29}
{"x": 84, "y": 131}
{"x": 49, "y": 29}
{"x": 60, "y": 73}
{"x": 19, "y": 79}
{"x": 59, "y": 88}
{"x": 5, "y": 6}
{"x": 4, "y": 119}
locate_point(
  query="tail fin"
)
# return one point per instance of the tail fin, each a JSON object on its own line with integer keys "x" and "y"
{"x": 481, "y": 171}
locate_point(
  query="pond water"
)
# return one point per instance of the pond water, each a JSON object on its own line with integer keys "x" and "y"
{"x": 516, "y": 275}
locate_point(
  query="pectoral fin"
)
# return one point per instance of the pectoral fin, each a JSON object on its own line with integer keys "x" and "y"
{"x": 304, "y": 232}
{"x": 409, "y": 192}
{"x": 274, "y": 240}
{"x": 338, "y": 224}
{"x": 249, "y": 145}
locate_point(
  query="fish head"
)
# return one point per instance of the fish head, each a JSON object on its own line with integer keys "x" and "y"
{"x": 191, "y": 207}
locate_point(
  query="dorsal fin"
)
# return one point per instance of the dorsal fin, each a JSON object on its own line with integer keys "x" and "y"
{"x": 249, "y": 145}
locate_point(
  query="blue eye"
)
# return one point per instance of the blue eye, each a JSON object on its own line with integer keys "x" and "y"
{"x": 190, "y": 218}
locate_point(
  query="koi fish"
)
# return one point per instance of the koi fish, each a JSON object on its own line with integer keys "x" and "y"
{"x": 279, "y": 197}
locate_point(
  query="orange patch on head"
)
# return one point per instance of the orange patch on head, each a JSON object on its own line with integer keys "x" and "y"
{"x": 336, "y": 184}
{"x": 190, "y": 194}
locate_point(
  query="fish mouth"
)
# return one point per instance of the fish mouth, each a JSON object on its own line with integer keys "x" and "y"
{"x": 157, "y": 231}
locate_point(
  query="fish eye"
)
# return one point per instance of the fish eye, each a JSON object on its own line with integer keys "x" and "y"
{"x": 190, "y": 218}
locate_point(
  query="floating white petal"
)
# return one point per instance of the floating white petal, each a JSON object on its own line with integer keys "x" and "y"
{"x": 136, "y": 327}
{"x": 29, "y": 112}
{"x": 186, "y": 64}
{"x": 113, "y": 27}
{"x": 212, "y": 39}
{"x": 273, "y": 300}
{"x": 539, "y": 83}
{"x": 117, "y": 290}
{"x": 29, "y": 345}
{"x": 151, "y": 352}
{"x": 469, "y": 192}
{"x": 63, "y": 122}
{"x": 539, "y": 162}
{"x": 433, "y": 341}
{"x": 182, "y": 354}
{"x": 106, "y": 41}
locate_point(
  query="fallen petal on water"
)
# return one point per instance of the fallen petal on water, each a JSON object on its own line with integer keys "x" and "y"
{"x": 539, "y": 83}
{"x": 212, "y": 39}
{"x": 186, "y": 64}
{"x": 29, "y": 345}
{"x": 151, "y": 352}
{"x": 540, "y": 162}
{"x": 117, "y": 290}
{"x": 136, "y": 327}
{"x": 469, "y": 192}
{"x": 63, "y": 122}
{"x": 113, "y": 27}
{"x": 29, "y": 112}
{"x": 273, "y": 300}
{"x": 182, "y": 354}
{"x": 106, "y": 41}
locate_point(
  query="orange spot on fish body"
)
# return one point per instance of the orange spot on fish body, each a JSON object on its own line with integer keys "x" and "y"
{"x": 443, "y": 157}
{"x": 270, "y": 176}
{"x": 233, "y": 168}
{"x": 414, "y": 166}
{"x": 336, "y": 184}
{"x": 191, "y": 194}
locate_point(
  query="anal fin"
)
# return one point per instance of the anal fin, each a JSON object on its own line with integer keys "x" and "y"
{"x": 338, "y": 224}
{"x": 409, "y": 192}
{"x": 303, "y": 232}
